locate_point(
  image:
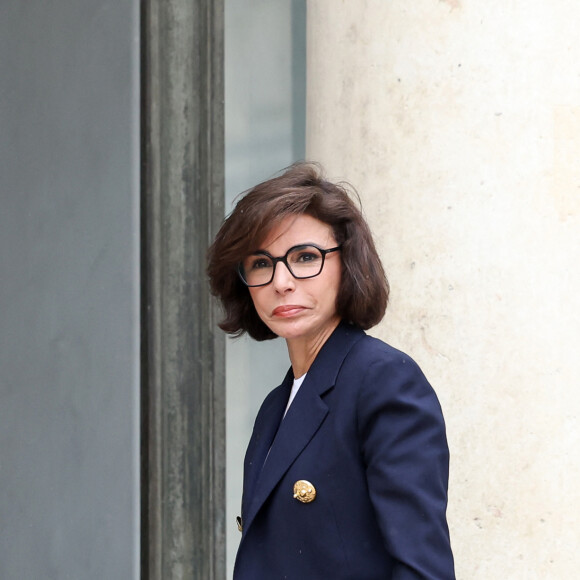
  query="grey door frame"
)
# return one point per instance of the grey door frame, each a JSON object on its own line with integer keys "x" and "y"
{"x": 183, "y": 379}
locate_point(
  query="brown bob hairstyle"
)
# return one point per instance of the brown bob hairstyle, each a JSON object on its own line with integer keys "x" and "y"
{"x": 300, "y": 189}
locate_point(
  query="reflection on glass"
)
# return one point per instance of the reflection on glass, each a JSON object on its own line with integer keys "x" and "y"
{"x": 265, "y": 72}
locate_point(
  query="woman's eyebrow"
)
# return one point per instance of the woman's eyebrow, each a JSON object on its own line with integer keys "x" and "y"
{"x": 295, "y": 246}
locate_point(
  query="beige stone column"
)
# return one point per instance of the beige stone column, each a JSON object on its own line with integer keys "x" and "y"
{"x": 459, "y": 123}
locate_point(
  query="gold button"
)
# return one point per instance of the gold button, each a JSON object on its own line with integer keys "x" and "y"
{"x": 239, "y": 522}
{"x": 304, "y": 491}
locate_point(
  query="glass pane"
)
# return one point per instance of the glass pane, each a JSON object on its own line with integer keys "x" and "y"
{"x": 265, "y": 78}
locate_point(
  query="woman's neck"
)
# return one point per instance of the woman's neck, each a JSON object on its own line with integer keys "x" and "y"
{"x": 303, "y": 351}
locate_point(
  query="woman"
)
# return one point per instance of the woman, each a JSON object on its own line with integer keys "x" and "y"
{"x": 345, "y": 476}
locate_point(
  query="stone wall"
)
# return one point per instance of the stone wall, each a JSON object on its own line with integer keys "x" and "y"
{"x": 458, "y": 121}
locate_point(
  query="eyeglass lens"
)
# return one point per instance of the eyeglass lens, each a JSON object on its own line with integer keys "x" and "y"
{"x": 302, "y": 261}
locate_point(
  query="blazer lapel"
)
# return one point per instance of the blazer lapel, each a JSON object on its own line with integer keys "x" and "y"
{"x": 267, "y": 424}
{"x": 304, "y": 418}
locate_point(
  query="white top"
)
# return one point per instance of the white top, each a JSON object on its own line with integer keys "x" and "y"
{"x": 295, "y": 387}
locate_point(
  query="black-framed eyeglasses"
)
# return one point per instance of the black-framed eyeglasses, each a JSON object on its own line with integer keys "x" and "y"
{"x": 303, "y": 261}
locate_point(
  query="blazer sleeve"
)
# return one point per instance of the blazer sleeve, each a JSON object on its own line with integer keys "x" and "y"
{"x": 404, "y": 446}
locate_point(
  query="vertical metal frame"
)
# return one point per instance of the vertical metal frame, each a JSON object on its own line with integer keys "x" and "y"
{"x": 183, "y": 395}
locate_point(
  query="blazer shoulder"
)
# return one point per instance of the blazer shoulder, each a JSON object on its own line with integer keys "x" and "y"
{"x": 373, "y": 351}
{"x": 373, "y": 366}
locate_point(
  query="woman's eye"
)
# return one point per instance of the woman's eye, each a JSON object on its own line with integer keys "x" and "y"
{"x": 260, "y": 263}
{"x": 306, "y": 257}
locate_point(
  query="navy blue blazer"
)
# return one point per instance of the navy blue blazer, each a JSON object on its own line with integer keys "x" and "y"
{"x": 366, "y": 430}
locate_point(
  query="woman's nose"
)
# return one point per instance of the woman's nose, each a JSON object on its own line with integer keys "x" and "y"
{"x": 283, "y": 280}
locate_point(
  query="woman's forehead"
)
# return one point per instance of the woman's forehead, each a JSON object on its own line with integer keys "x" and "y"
{"x": 294, "y": 230}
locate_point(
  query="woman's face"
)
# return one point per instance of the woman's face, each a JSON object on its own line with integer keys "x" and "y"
{"x": 300, "y": 309}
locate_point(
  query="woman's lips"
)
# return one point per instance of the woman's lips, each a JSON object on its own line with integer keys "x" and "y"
{"x": 287, "y": 310}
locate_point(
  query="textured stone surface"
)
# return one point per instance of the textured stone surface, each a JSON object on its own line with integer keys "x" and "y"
{"x": 183, "y": 439}
{"x": 459, "y": 124}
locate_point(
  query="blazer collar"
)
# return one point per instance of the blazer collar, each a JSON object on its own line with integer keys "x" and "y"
{"x": 287, "y": 439}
